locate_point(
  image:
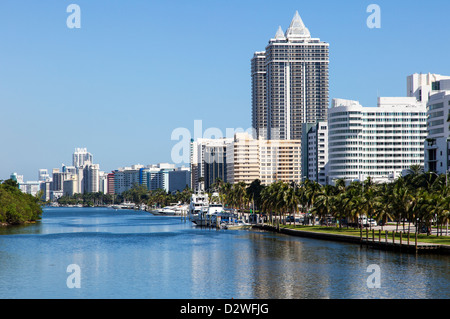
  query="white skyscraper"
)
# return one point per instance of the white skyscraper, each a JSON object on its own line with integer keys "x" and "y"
{"x": 81, "y": 157}
{"x": 91, "y": 178}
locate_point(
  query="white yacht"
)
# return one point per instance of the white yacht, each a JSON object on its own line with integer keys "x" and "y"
{"x": 171, "y": 210}
{"x": 206, "y": 213}
{"x": 198, "y": 202}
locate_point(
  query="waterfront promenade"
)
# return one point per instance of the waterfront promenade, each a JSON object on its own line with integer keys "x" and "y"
{"x": 388, "y": 239}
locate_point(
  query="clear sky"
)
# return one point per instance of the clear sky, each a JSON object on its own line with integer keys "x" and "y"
{"x": 136, "y": 70}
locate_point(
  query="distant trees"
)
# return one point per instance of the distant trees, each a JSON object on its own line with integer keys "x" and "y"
{"x": 87, "y": 199}
{"x": 138, "y": 195}
{"x": 17, "y": 207}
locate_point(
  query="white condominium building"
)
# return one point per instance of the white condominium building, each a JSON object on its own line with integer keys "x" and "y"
{"x": 379, "y": 142}
{"x": 126, "y": 177}
{"x": 317, "y": 157}
{"x": 434, "y": 90}
{"x": 81, "y": 157}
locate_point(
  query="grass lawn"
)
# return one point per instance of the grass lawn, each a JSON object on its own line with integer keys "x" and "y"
{"x": 444, "y": 240}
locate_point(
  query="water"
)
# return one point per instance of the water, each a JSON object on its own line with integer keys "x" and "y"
{"x": 130, "y": 254}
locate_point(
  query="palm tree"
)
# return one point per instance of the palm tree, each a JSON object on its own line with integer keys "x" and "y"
{"x": 414, "y": 175}
{"x": 292, "y": 201}
{"x": 239, "y": 196}
{"x": 225, "y": 193}
{"x": 267, "y": 203}
{"x": 281, "y": 204}
{"x": 254, "y": 193}
{"x": 353, "y": 197}
{"x": 368, "y": 200}
{"x": 323, "y": 205}
{"x": 311, "y": 191}
{"x": 383, "y": 206}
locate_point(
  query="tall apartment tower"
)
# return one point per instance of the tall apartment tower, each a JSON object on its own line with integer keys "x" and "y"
{"x": 259, "y": 95}
{"x": 81, "y": 157}
{"x": 289, "y": 83}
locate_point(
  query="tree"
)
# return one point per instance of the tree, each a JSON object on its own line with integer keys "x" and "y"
{"x": 254, "y": 193}
{"x": 17, "y": 207}
{"x": 324, "y": 202}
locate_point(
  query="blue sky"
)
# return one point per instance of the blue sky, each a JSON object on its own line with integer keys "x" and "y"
{"x": 136, "y": 70}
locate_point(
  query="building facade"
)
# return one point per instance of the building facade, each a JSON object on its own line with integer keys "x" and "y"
{"x": 280, "y": 160}
{"x": 179, "y": 179}
{"x": 434, "y": 90}
{"x": 259, "y": 95}
{"x": 125, "y": 178}
{"x": 208, "y": 156}
{"x": 266, "y": 160}
{"x": 380, "y": 142}
{"x": 81, "y": 156}
{"x": 292, "y": 87}
{"x": 243, "y": 159}
{"x": 317, "y": 153}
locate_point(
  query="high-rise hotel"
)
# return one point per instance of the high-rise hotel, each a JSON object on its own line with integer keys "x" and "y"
{"x": 378, "y": 142}
{"x": 289, "y": 83}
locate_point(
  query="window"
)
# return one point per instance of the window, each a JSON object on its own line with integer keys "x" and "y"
{"x": 436, "y": 86}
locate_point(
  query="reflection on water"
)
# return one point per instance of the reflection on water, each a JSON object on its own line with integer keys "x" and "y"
{"x": 127, "y": 254}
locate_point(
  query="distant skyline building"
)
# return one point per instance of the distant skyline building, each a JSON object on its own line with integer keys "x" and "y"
{"x": 43, "y": 175}
{"x": 152, "y": 177}
{"x": 81, "y": 157}
{"x": 179, "y": 179}
{"x": 91, "y": 178}
{"x": 289, "y": 83}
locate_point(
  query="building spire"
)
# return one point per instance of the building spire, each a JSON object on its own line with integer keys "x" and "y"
{"x": 280, "y": 34}
{"x": 297, "y": 28}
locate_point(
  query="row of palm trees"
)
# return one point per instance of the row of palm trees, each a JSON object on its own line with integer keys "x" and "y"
{"x": 419, "y": 199}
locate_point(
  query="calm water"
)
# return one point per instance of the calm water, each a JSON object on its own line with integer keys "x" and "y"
{"x": 128, "y": 254}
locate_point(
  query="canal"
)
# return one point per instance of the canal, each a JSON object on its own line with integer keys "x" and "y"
{"x": 133, "y": 254}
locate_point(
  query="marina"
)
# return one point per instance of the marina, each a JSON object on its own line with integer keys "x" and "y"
{"x": 205, "y": 212}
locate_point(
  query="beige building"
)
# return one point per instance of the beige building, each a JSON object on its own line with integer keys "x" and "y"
{"x": 266, "y": 160}
{"x": 243, "y": 159}
{"x": 280, "y": 161}
{"x": 71, "y": 186}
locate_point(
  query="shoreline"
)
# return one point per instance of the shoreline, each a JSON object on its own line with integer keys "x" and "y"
{"x": 18, "y": 224}
{"x": 421, "y": 248}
